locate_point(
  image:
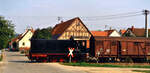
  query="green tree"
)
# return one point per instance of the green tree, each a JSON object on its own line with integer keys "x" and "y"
{"x": 44, "y": 33}
{"x": 99, "y": 30}
{"x": 6, "y": 32}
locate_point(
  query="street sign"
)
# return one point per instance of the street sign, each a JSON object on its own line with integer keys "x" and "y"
{"x": 71, "y": 52}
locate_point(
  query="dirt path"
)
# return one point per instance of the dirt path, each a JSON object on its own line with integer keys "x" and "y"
{"x": 2, "y": 63}
{"x": 1, "y": 67}
{"x": 16, "y": 63}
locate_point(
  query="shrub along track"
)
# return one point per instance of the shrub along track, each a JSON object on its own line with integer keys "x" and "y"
{"x": 110, "y": 67}
{"x": 120, "y": 65}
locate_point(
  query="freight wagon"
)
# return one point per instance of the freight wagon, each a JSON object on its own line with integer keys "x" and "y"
{"x": 113, "y": 49}
{"x": 56, "y": 50}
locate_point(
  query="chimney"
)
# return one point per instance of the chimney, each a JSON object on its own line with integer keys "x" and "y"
{"x": 110, "y": 28}
{"x": 132, "y": 28}
{"x": 62, "y": 21}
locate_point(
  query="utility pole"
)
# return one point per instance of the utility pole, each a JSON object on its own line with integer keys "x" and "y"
{"x": 146, "y": 12}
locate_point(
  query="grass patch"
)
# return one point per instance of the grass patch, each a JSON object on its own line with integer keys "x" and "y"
{"x": 1, "y": 57}
{"x": 104, "y": 65}
{"x": 144, "y": 71}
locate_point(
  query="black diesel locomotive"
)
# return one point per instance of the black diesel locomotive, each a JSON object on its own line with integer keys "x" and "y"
{"x": 56, "y": 50}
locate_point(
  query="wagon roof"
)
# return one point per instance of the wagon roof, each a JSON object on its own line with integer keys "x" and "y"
{"x": 136, "y": 39}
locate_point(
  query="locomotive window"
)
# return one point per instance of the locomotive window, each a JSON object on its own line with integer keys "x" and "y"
{"x": 147, "y": 43}
{"x": 114, "y": 43}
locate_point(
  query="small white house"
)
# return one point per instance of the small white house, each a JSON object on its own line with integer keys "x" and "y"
{"x": 24, "y": 42}
{"x": 114, "y": 33}
{"x": 106, "y": 33}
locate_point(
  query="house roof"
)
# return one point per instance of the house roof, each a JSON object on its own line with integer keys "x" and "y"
{"x": 26, "y": 33}
{"x": 139, "y": 32}
{"x": 19, "y": 37}
{"x": 122, "y": 31}
{"x": 103, "y": 33}
{"x": 15, "y": 39}
{"x": 60, "y": 28}
{"x": 109, "y": 31}
{"x": 99, "y": 33}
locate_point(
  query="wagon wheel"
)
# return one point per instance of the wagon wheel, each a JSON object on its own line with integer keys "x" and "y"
{"x": 128, "y": 60}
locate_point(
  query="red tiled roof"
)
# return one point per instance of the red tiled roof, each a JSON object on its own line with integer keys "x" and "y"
{"x": 99, "y": 33}
{"x": 122, "y": 31}
{"x": 19, "y": 37}
{"x": 60, "y": 28}
{"x": 26, "y": 33}
{"x": 139, "y": 32}
{"x": 15, "y": 39}
{"x": 109, "y": 31}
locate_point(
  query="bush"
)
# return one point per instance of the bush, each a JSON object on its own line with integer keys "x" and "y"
{"x": 104, "y": 65}
{"x": 1, "y": 57}
{"x": 143, "y": 71}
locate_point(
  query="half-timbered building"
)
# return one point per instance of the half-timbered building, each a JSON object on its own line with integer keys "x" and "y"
{"x": 72, "y": 28}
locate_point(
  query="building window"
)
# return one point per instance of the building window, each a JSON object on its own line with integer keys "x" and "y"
{"x": 23, "y": 43}
{"x": 78, "y": 24}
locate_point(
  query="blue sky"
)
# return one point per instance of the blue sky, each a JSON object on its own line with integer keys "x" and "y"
{"x": 44, "y": 13}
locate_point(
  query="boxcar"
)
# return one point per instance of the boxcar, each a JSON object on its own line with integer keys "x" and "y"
{"x": 120, "y": 48}
{"x": 56, "y": 50}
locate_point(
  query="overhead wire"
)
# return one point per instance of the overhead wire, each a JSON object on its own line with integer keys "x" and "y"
{"x": 110, "y": 18}
{"x": 117, "y": 14}
{"x": 98, "y": 18}
{"x": 114, "y": 16}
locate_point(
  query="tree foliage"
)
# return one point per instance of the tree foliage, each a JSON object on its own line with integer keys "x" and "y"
{"x": 44, "y": 33}
{"x": 6, "y": 32}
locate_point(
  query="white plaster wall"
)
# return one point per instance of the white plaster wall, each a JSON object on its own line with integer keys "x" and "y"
{"x": 114, "y": 34}
{"x": 26, "y": 40}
